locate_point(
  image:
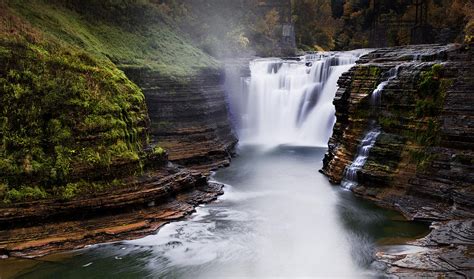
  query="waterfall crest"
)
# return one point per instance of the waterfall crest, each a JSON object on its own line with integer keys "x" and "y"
{"x": 290, "y": 101}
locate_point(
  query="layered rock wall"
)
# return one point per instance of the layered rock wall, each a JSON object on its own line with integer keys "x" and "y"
{"x": 189, "y": 117}
{"x": 424, "y": 155}
{"x": 422, "y": 163}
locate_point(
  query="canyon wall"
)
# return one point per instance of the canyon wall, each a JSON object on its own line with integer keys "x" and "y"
{"x": 80, "y": 160}
{"x": 424, "y": 155}
{"x": 189, "y": 117}
{"x": 422, "y": 163}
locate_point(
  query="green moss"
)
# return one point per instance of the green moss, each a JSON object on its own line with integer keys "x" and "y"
{"x": 431, "y": 95}
{"x": 388, "y": 123}
{"x": 421, "y": 158}
{"x": 63, "y": 111}
{"x": 70, "y": 190}
{"x": 76, "y": 189}
{"x": 159, "y": 150}
{"x": 374, "y": 71}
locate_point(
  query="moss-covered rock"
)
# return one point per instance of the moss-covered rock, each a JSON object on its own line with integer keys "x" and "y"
{"x": 63, "y": 113}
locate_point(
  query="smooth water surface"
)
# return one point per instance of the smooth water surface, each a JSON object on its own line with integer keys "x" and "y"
{"x": 278, "y": 217}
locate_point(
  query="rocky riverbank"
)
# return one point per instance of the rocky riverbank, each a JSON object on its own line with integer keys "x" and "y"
{"x": 80, "y": 160}
{"x": 422, "y": 162}
{"x": 189, "y": 118}
{"x": 160, "y": 195}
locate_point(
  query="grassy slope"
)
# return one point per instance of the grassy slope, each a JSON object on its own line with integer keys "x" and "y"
{"x": 129, "y": 33}
{"x": 68, "y": 115}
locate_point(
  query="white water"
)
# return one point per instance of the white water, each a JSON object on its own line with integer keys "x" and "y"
{"x": 377, "y": 94}
{"x": 290, "y": 102}
{"x": 350, "y": 179}
{"x": 350, "y": 173}
{"x": 278, "y": 218}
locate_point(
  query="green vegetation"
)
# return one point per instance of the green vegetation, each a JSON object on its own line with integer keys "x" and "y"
{"x": 431, "y": 95}
{"x": 158, "y": 150}
{"x": 388, "y": 123}
{"x": 129, "y": 33}
{"x": 347, "y": 24}
{"x": 72, "y": 190}
{"x": 65, "y": 112}
{"x": 229, "y": 28}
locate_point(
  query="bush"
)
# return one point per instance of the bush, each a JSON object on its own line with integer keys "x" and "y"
{"x": 25, "y": 193}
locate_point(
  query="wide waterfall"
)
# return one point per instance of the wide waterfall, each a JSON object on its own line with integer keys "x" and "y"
{"x": 290, "y": 101}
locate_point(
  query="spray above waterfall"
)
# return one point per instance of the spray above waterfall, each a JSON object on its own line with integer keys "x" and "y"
{"x": 290, "y": 101}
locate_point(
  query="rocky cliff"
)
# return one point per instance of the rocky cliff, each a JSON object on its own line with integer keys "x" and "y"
{"x": 189, "y": 117}
{"x": 80, "y": 160}
{"x": 422, "y": 161}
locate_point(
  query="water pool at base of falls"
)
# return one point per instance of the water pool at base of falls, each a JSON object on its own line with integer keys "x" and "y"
{"x": 278, "y": 217}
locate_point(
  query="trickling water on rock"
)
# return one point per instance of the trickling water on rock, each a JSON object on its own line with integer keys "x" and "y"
{"x": 350, "y": 173}
{"x": 278, "y": 218}
{"x": 376, "y": 95}
{"x": 350, "y": 180}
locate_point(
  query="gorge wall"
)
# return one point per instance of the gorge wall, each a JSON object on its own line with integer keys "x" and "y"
{"x": 189, "y": 117}
{"x": 424, "y": 151}
{"x": 422, "y": 162}
{"x": 80, "y": 160}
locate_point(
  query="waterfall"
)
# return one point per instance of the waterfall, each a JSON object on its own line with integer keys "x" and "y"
{"x": 350, "y": 173}
{"x": 350, "y": 179}
{"x": 376, "y": 95}
{"x": 290, "y": 101}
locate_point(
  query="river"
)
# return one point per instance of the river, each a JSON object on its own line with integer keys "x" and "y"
{"x": 278, "y": 217}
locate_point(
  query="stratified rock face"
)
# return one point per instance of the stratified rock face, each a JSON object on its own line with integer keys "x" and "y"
{"x": 140, "y": 207}
{"x": 189, "y": 117}
{"x": 422, "y": 163}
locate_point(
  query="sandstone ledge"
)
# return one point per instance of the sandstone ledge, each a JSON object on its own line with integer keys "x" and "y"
{"x": 156, "y": 198}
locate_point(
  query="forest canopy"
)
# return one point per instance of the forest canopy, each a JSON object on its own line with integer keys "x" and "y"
{"x": 349, "y": 24}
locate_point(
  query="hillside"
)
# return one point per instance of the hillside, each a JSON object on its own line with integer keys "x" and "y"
{"x": 128, "y": 33}
{"x": 70, "y": 117}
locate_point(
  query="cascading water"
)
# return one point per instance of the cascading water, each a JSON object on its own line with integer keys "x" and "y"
{"x": 289, "y": 101}
{"x": 350, "y": 173}
{"x": 277, "y": 218}
{"x": 350, "y": 179}
{"x": 376, "y": 95}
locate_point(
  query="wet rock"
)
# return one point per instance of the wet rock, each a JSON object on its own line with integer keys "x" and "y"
{"x": 448, "y": 252}
{"x": 119, "y": 216}
{"x": 428, "y": 158}
{"x": 423, "y": 161}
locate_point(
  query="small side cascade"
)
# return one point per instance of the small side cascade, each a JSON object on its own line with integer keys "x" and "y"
{"x": 377, "y": 93}
{"x": 350, "y": 173}
{"x": 350, "y": 179}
